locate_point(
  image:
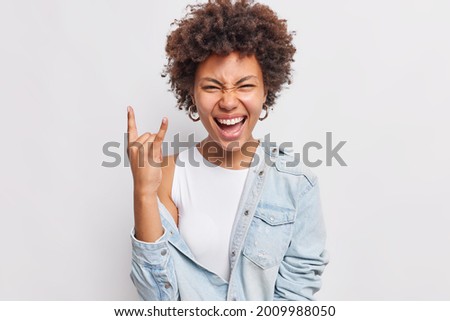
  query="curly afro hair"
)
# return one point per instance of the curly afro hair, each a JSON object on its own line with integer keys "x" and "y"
{"x": 223, "y": 26}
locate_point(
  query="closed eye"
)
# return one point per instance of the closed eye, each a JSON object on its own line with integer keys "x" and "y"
{"x": 215, "y": 88}
{"x": 211, "y": 87}
{"x": 246, "y": 88}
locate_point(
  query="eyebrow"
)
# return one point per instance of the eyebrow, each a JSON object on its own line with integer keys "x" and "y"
{"x": 237, "y": 83}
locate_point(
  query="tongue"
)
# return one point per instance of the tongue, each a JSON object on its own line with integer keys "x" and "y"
{"x": 230, "y": 128}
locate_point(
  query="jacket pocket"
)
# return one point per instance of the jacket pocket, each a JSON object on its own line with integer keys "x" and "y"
{"x": 269, "y": 235}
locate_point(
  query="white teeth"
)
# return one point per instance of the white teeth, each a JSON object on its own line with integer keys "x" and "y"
{"x": 230, "y": 121}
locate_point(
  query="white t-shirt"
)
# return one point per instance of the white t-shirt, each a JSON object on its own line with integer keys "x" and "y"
{"x": 207, "y": 197}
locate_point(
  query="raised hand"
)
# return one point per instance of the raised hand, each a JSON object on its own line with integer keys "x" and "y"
{"x": 145, "y": 155}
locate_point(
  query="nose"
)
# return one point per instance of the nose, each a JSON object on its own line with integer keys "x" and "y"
{"x": 229, "y": 100}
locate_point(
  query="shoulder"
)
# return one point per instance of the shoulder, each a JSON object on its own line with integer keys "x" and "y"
{"x": 165, "y": 189}
{"x": 296, "y": 182}
{"x": 286, "y": 161}
{"x": 169, "y": 162}
{"x": 288, "y": 181}
{"x": 168, "y": 168}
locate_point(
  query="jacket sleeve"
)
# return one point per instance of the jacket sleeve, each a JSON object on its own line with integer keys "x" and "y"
{"x": 299, "y": 276}
{"x": 152, "y": 270}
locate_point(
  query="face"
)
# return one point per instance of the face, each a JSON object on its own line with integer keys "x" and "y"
{"x": 229, "y": 95}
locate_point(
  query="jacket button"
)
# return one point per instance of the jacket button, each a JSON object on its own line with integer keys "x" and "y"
{"x": 246, "y": 212}
{"x": 233, "y": 253}
{"x": 167, "y": 285}
{"x": 261, "y": 173}
{"x": 163, "y": 252}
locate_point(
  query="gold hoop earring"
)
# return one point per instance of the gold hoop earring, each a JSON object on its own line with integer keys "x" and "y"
{"x": 192, "y": 110}
{"x": 265, "y": 108}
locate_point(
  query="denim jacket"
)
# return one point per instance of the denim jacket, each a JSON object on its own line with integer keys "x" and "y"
{"x": 277, "y": 245}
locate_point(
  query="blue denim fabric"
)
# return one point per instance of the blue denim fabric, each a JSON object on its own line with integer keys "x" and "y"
{"x": 277, "y": 246}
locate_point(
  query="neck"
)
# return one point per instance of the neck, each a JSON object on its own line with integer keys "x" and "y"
{"x": 239, "y": 157}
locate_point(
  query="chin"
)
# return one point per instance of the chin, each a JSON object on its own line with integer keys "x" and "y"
{"x": 233, "y": 145}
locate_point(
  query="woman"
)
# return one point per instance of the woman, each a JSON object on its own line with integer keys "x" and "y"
{"x": 228, "y": 219}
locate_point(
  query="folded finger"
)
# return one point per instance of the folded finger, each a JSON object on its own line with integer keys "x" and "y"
{"x": 140, "y": 141}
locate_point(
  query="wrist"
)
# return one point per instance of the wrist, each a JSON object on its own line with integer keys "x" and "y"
{"x": 145, "y": 193}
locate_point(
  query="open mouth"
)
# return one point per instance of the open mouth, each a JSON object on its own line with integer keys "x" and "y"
{"x": 231, "y": 128}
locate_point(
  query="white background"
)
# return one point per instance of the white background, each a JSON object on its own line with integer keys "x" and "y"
{"x": 374, "y": 73}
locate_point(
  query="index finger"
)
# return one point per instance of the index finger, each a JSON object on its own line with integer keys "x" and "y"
{"x": 132, "y": 130}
